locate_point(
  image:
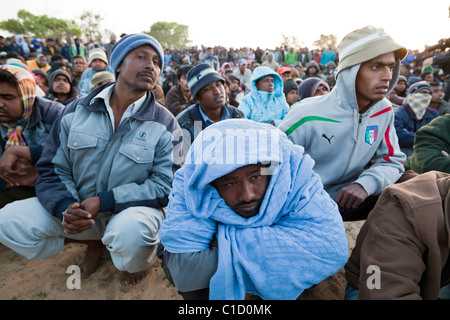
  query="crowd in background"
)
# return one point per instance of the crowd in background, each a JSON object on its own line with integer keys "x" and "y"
{"x": 66, "y": 70}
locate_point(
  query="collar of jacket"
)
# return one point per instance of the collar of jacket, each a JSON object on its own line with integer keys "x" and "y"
{"x": 145, "y": 113}
{"x": 36, "y": 115}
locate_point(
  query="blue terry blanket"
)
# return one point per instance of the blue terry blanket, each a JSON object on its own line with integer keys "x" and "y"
{"x": 295, "y": 241}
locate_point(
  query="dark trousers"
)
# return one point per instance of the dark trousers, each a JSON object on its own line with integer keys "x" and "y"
{"x": 364, "y": 209}
{"x": 202, "y": 294}
{"x": 16, "y": 193}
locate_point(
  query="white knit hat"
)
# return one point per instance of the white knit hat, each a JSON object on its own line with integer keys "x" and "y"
{"x": 97, "y": 54}
{"x": 364, "y": 44}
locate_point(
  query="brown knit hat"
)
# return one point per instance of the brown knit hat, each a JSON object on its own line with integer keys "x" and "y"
{"x": 364, "y": 44}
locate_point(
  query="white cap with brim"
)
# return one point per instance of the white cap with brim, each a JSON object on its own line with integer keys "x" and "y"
{"x": 365, "y": 44}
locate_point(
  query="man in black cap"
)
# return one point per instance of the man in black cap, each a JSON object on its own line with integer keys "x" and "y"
{"x": 208, "y": 92}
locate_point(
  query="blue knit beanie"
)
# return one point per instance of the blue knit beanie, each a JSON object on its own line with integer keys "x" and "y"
{"x": 201, "y": 75}
{"x": 130, "y": 42}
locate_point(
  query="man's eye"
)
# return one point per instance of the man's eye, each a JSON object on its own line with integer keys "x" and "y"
{"x": 230, "y": 184}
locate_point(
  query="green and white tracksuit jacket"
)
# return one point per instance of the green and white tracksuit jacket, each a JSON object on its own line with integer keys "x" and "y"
{"x": 348, "y": 146}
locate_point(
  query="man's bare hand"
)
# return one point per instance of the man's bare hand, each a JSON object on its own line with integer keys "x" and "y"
{"x": 427, "y": 62}
{"x": 76, "y": 219}
{"x": 15, "y": 167}
{"x": 23, "y": 180}
{"x": 14, "y": 158}
{"x": 91, "y": 205}
{"x": 351, "y": 197}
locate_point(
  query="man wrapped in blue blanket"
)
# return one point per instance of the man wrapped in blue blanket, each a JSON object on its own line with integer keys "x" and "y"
{"x": 247, "y": 214}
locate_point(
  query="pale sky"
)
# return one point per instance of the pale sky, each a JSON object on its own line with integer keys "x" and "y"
{"x": 245, "y": 23}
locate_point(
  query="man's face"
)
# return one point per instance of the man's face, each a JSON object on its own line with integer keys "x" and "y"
{"x": 292, "y": 96}
{"x": 140, "y": 69}
{"x": 266, "y": 84}
{"x": 429, "y": 77}
{"x": 10, "y": 105}
{"x": 78, "y": 65}
{"x": 234, "y": 86}
{"x": 42, "y": 61}
{"x": 321, "y": 90}
{"x": 98, "y": 65}
{"x": 437, "y": 94}
{"x": 372, "y": 81}
{"x": 400, "y": 87}
{"x": 183, "y": 83}
{"x": 211, "y": 96}
{"x": 312, "y": 70}
{"x": 61, "y": 85}
{"x": 404, "y": 70}
{"x": 285, "y": 75}
{"x": 243, "y": 189}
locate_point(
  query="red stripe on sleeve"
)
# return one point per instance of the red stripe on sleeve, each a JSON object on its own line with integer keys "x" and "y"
{"x": 389, "y": 144}
{"x": 381, "y": 112}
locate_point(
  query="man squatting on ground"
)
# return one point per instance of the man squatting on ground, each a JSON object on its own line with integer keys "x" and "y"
{"x": 247, "y": 214}
{"x": 106, "y": 170}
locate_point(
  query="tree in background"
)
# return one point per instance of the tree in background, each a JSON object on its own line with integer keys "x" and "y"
{"x": 170, "y": 34}
{"x": 90, "y": 26}
{"x": 42, "y": 27}
{"x": 326, "y": 41}
{"x": 290, "y": 42}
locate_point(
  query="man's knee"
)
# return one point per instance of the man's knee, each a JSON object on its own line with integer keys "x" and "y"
{"x": 131, "y": 236}
{"x": 27, "y": 228}
{"x": 135, "y": 225}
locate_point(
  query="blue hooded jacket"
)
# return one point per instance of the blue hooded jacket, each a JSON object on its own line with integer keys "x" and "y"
{"x": 262, "y": 106}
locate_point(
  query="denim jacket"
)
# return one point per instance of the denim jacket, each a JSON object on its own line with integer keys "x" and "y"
{"x": 131, "y": 166}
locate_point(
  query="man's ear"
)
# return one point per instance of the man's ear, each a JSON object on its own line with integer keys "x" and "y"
{"x": 118, "y": 68}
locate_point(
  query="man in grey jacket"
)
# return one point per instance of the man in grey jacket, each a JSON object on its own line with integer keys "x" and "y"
{"x": 106, "y": 170}
{"x": 350, "y": 132}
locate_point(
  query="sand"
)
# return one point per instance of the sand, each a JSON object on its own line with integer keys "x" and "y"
{"x": 21, "y": 279}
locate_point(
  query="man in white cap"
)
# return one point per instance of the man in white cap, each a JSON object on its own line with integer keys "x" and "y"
{"x": 350, "y": 132}
{"x": 97, "y": 62}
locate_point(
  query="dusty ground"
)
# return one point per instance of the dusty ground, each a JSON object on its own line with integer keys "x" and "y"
{"x": 21, "y": 279}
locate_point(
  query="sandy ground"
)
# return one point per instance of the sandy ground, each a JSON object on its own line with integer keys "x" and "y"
{"x": 21, "y": 279}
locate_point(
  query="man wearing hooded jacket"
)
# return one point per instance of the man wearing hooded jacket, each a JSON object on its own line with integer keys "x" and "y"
{"x": 350, "y": 132}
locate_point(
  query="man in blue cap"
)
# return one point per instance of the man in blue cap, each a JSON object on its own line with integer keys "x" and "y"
{"x": 208, "y": 92}
{"x": 106, "y": 171}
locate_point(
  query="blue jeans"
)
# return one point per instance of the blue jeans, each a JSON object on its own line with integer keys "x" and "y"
{"x": 444, "y": 293}
{"x": 351, "y": 293}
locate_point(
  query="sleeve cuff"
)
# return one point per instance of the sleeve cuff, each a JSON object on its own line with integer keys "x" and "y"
{"x": 62, "y": 206}
{"x": 35, "y": 152}
{"x": 2, "y": 185}
{"x": 107, "y": 201}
